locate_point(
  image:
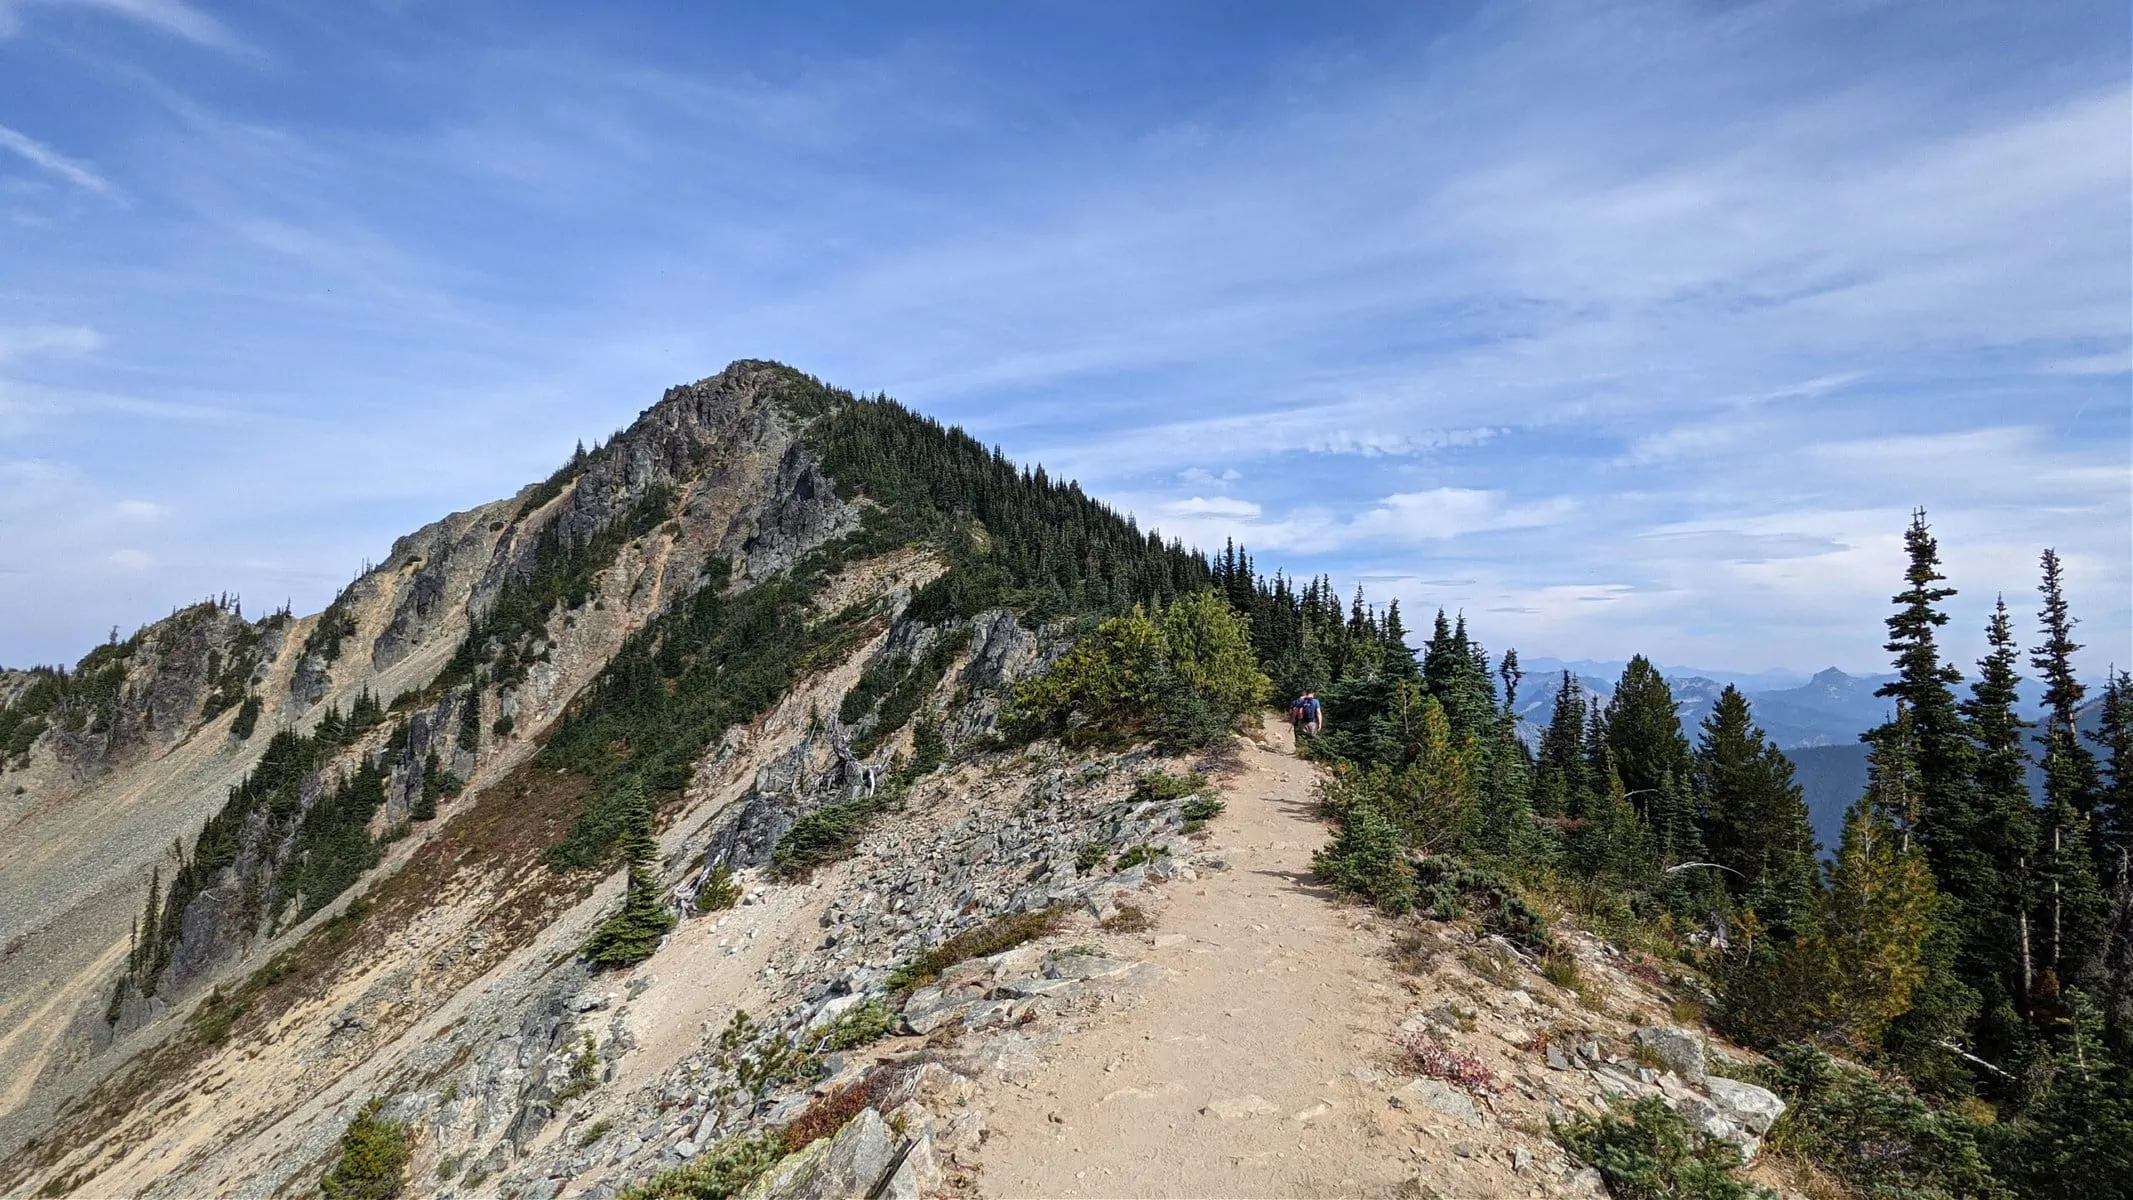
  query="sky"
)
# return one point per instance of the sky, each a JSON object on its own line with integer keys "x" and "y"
{"x": 1618, "y": 327}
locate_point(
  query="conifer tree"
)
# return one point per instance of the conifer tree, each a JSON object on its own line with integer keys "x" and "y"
{"x": 1756, "y": 821}
{"x": 2069, "y": 893}
{"x": 633, "y": 933}
{"x": 1561, "y": 776}
{"x": 1399, "y": 657}
{"x": 1882, "y": 903}
{"x": 2069, "y": 767}
{"x": 1940, "y": 747}
{"x": 1645, "y": 743}
{"x": 2114, "y": 803}
{"x": 1612, "y": 844}
{"x": 1986, "y": 865}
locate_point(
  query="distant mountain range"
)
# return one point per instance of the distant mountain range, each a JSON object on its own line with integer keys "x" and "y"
{"x": 1829, "y": 708}
{"x": 1816, "y": 720}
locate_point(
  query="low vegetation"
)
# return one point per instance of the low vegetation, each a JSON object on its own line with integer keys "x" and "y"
{"x": 1647, "y": 1151}
{"x": 374, "y": 1158}
{"x": 1182, "y": 676}
{"x": 869, "y": 1021}
{"x": 724, "y": 1170}
{"x": 993, "y": 937}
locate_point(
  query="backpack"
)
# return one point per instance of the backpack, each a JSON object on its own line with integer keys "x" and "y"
{"x": 1297, "y": 712}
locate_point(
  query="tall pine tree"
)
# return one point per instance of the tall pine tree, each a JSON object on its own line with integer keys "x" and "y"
{"x": 2072, "y": 907}
{"x": 632, "y": 934}
{"x": 1756, "y": 822}
{"x": 1940, "y": 746}
{"x": 1644, "y": 740}
{"x": 1986, "y": 866}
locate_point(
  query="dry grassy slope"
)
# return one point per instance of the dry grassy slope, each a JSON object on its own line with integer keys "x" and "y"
{"x": 77, "y": 862}
{"x": 466, "y": 940}
{"x": 77, "y": 853}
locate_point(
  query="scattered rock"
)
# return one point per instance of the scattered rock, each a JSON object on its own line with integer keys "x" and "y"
{"x": 1434, "y": 1095}
{"x": 1678, "y": 1048}
{"x": 1237, "y": 1108}
{"x": 1086, "y": 966}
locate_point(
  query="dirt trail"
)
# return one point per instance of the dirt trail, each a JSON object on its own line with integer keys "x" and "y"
{"x": 1233, "y": 1078}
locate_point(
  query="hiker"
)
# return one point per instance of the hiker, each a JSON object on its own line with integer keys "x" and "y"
{"x": 1306, "y": 714}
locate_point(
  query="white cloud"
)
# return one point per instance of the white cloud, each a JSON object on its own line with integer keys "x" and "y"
{"x": 1403, "y": 519}
{"x": 131, "y": 560}
{"x": 140, "y": 510}
{"x": 40, "y": 155}
{"x": 1202, "y": 477}
{"x": 172, "y": 17}
{"x": 1450, "y": 512}
{"x": 23, "y": 341}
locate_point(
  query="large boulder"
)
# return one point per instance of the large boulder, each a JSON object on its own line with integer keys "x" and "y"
{"x": 1678, "y": 1048}
{"x": 849, "y": 1164}
{"x": 1752, "y": 1108}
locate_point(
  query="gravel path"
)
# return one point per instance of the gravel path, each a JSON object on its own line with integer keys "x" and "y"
{"x": 1238, "y": 1076}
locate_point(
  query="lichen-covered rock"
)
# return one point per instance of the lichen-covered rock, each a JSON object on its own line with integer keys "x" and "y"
{"x": 1678, "y": 1048}
{"x": 1753, "y": 1108}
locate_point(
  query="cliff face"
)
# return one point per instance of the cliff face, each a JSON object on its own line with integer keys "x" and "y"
{"x": 110, "y": 779}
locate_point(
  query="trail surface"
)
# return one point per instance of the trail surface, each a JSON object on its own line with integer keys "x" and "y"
{"x": 1243, "y": 1074}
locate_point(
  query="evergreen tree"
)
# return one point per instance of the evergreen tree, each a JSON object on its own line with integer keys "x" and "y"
{"x": 2114, "y": 803}
{"x": 1940, "y": 747}
{"x": 1985, "y": 866}
{"x": 1366, "y": 858}
{"x": 1642, "y": 734}
{"x": 633, "y": 933}
{"x": 1399, "y": 657}
{"x": 1756, "y": 822}
{"x": 1612, "y": 844}
{"x": 1881, "y": 905}
{"x": 374, "y": 1158}
{"x": 2073, "y": 915}
{"x": 1561, "y": 776}
{"x": 2069, "y": 767}
{"x": 470, "y": 719}
{"x": 424, "y": 807}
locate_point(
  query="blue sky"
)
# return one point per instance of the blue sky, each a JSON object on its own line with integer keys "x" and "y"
{"x": 1622, "y": 327}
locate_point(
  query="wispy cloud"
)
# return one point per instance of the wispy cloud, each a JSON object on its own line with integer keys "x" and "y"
{"x": 172, "y": 17}
{"x": 1642, "y": 326}
{"x": 26, "y": 340}
{"x": 39, "y": 155}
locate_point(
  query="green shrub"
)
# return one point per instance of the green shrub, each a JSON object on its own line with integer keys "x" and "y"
{"x": 717, "y": 891}
{"x": 856, "y": 1027}
{"x": 599, "y": 1129}
{"x": 1139, "y": 855}
{"x": 823, "y": 836}
{"x": 1090, "y": 856}
{"x": 1365, "y": 860}
{"x": 1202, "y": 808}
{"x": 584, "y": 1074}
{"x": 1181, "y": 677}
{"x": 374, "y": 1157}
{"x": 1447, "y": 888}
{"x": 1004, "y": 933}
{"x": 723, "y": 1171}
{"x": 1880, "y": 1139}
{"x": 1647, "y": 1151}
{"x": 1167, "y": 785}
